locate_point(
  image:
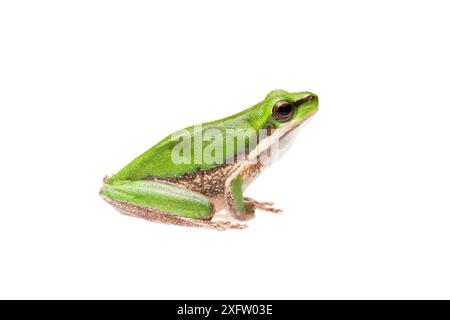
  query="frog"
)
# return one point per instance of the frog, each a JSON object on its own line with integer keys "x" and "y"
{"x": 174, "y": 183}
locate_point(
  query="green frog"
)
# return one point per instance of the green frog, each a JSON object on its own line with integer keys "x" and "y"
{"x": 192, "y": 176}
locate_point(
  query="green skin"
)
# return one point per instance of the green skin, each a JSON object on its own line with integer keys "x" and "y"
{"x": 154, "y": 183}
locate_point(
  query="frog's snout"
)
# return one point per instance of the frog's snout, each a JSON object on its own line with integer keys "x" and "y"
{"x": 309, "y": 99}
{"x": 312, "y": 98}
{"x": 315, "y": 101}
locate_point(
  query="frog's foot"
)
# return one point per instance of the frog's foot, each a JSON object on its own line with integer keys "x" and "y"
{"x": 227, "y": 225}
{"x": 225, "y": 222}
{"x": 265, "y": 206}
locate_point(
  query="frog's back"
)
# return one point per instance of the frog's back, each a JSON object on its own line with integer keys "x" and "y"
{"x": 157, "y": 161}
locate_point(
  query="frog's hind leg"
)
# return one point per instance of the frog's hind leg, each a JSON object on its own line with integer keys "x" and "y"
{"x": 156, "y": 215}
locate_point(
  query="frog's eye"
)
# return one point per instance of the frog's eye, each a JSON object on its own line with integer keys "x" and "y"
{"x": 283, "y": 110}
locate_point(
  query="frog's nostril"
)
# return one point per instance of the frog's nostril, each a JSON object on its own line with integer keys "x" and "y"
{"x": 312, "y": 97}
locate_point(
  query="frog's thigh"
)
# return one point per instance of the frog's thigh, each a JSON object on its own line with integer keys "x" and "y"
{"x": 156, "y": 215}
{"x": 159, "y": 197}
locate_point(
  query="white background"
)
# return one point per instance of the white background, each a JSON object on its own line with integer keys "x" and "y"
{"x": 86, "y": 86}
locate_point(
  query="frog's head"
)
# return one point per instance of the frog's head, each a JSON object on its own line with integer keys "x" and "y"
{"x": 281, "y": 113}
{"x": 287, "y": 111}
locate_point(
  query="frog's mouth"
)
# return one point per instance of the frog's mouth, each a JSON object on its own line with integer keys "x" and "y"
{"x": 291, "y": 127}
{"x": 288, "y": 135}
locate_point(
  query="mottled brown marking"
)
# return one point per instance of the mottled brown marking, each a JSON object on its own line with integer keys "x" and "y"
{"x": 250, "y": 172}
{"x": 210, "y": 183}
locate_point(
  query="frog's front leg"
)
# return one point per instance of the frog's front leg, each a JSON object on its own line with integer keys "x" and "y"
{"x": 236, "y": 205}
{"x": 163, "y": 202}
{"x": 240, "y": 207}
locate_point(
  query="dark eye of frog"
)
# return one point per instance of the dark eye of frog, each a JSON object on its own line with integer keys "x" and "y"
{"x": 283, "y": 111}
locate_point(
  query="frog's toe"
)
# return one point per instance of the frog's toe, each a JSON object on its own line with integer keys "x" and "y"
{"x": 264, "y": 206}
{"x": 227, "y": 225}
